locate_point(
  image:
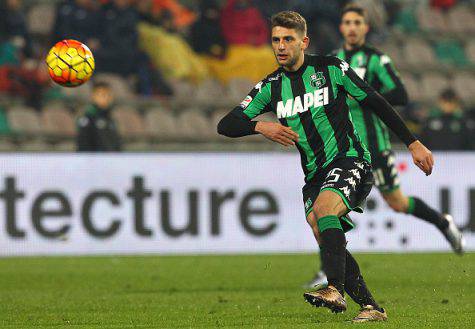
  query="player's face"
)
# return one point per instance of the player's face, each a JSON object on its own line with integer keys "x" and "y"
{"x": 353, "y": 28}
{"x": 289, "y": 46}
{"x": 102, "y": 97}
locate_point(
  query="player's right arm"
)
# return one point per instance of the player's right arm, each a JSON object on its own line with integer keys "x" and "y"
{"x": 238, "y": 122}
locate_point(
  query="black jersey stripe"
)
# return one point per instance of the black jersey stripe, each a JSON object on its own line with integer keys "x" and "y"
{"x": 338, "y": 117}
{"x": 313, "y": 137}
{"x": 397, "y": 81}
{"x": 276, "y": 96}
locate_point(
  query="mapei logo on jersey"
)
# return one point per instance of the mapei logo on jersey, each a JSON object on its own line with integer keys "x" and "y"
{"x": 298, "y": 105}
{"x": 245, "y": 103}
{"x": 317, "y": 80}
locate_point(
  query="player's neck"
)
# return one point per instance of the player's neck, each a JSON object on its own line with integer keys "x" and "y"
{"x": 349, "y": 47}
{"x": 296, "y": 66}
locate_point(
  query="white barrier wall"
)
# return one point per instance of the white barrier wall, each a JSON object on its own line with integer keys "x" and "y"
{"x": 204, "y": 203}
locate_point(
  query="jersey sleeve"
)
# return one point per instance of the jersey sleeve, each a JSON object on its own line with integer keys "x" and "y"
{"x": 344, "y": 76}
{"x": 237, "y": 123}
{"x": 392, "y": 87}
{"x": 257, "y": 101}
{"x": 386, "y": 73}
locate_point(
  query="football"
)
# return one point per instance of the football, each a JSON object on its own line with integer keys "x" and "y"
{"x": 70, "y": 63}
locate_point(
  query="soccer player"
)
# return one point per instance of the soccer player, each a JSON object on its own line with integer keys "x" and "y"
{"x": 377, "y": 70}
{"x": 308, "y": 94}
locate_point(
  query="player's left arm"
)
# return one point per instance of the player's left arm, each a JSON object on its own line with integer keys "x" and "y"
{"x": 368, "y": 98}
{"x": 393, "y": 89}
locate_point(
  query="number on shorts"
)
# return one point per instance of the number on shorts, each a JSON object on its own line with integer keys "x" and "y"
{"x": 334, "y": 174}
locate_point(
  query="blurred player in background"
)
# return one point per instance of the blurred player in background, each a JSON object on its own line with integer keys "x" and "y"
{"x": 378, "y": 71}
{"x": 308, "y": 93}
{"x": 97, "y": 130}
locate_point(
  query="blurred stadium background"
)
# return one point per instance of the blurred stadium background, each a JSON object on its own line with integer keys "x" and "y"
{"x": 176, "y": 66}
{"x": 190, "y": 61}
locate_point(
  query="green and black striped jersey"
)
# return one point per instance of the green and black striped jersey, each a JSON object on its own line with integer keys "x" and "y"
{"x": 378, "y": 71}
{"x": 312, "y": 101}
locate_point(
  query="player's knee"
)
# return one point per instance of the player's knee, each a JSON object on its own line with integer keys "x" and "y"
{"x": 322, "y": 210}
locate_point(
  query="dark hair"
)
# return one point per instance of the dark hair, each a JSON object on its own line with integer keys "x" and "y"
{"x": 449, "y": 95}
{"x": 290, "y": 20}
{"x": 355, "y": 8}
{"x": 101, "y": 84}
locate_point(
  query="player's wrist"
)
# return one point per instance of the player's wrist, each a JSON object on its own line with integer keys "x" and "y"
{"x": 414, "y": 145}
{"x": 258, "y": 127}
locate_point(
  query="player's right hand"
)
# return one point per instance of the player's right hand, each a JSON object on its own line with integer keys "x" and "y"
{"x": 277, "y": 133}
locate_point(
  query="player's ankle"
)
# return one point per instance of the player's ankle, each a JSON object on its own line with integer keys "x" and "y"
{"x": 337, "y": 286}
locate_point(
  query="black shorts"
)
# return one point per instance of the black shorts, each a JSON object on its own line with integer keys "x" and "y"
{"x": 385, "y": 172}
{"x": 351, "y": 178}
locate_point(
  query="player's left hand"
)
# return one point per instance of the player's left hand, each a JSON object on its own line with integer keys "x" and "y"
{"x": 422, "y": 157}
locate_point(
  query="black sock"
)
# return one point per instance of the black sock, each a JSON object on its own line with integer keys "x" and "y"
{"x": 332, "y": 251}
{"x": 421, "y": 210}
{"x": 355, "y": 286}
{"x": 322, "y": 268}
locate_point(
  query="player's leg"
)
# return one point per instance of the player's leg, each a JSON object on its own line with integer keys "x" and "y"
{"x": 310, "y": 192}
{"x": 347, "y": 184}
{"x": 387, "y": 181}
{"x": 355, "y": 287}
{"x": 328, "y": 230}
{"x": 354, "y": 284}
{"x": 328, "y": 208}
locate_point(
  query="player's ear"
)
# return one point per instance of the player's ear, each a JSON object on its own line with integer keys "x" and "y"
{"x": 366, "y": 29}
{"x": 305, "y": 42}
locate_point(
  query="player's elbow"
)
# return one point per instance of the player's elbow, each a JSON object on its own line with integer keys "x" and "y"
{"x": 223, "y": 127}
{"x": 404, "y": 97}
{"x": 400, "y": 97}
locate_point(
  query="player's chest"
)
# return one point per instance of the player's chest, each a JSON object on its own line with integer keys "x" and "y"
{"x": 311, "y": 94}
{"x": 359, "y": 62}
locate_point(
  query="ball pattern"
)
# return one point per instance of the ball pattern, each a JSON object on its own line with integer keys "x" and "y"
{"x": 70, "y": 63}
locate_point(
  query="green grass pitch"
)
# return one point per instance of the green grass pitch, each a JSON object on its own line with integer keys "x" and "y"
{"x": 245, "y": 291}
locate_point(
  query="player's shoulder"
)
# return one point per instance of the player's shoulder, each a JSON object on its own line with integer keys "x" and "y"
{"x": 269, "y": 79}
{"x": 381, "y": 55}
{"x": 323, "y": 60}
{"x": 373, "y": 50}
{"x": 88, "y": 117}
{"x": 274, "y": 76}
{"x": 335, "y": 52}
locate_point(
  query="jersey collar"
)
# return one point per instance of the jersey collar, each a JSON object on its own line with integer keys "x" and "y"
{"x": 299, "y": 72}
{"x": 350, "y": 53}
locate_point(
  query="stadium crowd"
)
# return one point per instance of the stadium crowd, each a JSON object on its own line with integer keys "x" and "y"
{"x": 168, "y": 60}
